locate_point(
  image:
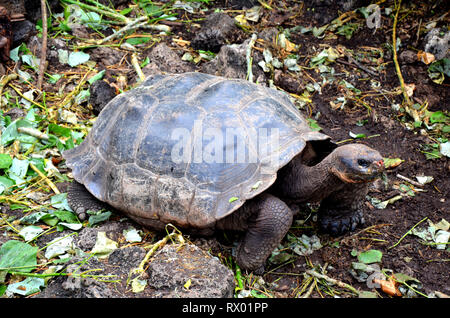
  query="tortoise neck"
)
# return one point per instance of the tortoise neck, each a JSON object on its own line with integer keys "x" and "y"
{"x": 304, "y": 183}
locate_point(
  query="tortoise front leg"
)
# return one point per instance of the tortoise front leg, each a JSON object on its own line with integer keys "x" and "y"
{"x": 267, "y": 221}
{"x": 81, "y": 200}
{"x": 343, "y": 210}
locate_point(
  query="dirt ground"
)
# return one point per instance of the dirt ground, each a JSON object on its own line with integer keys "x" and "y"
{"x": 370, "y": 113}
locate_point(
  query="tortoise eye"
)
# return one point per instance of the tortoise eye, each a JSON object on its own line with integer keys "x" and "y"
{"x": 363, "y": 163}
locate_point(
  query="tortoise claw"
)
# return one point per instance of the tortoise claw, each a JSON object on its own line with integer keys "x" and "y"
{"x": 336, "y": 223}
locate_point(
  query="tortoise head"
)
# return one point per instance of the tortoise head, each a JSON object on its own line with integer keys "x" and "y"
{"x": 357, "y": 163}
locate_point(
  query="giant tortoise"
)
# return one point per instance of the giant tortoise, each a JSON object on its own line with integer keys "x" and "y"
{"x": 204, "y": 152}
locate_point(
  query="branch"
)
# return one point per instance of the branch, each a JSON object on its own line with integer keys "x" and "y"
{"x": 44, "y": 45}
{"x": 408, "y": 106}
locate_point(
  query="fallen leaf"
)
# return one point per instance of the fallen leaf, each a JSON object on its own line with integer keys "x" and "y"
{"x": 370, "y": 256}
{"x": 424, "y": 179}
{"x": 103, "y": 246}
{"x": 425, "y": 57}
{"x": 241, "y": 20}
{"x": 388, "y": 286}
{"x": 392, "y": 162}
{"x": 232, "y": 199}
{"x": 410, "y": 89}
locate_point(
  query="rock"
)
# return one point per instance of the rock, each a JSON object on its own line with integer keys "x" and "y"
{"x": 163, "y": 59}
{"x": 100, "y": 94}
{"x": 13, "y": 6}
{"x": 437, "y": 44}
{"x": 231, "y": 62}
{"x": 22, "y": 31}
{"x": 217, "y": 30}
{"x": 174, "y": 266}
{"x": 78, "y": 287}
{"x": 128, "y": 257}
{"x": 408, "y": 57}
{"x": 33, "y": 9}
{"x": 15, "y": 113}
{"x": 240, "y": 4}
{"x": 288, "y": 82}
{"x": 106, "y": 55}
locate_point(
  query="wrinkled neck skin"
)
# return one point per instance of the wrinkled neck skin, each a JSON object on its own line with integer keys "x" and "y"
{"x": 298, "y": 182}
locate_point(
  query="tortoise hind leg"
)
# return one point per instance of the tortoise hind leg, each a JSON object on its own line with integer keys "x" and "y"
{"x": 81, "y": 200}
{"x": 266, "y": 221}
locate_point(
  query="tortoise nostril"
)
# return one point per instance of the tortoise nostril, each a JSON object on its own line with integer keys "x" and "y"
{"x": 380, "y": 163}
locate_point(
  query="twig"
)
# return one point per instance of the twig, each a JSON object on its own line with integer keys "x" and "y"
{"x": 311, "y": 288}
{"x": 140, "y": 269}
{"x": 441, "y": 295}
{"x": 44, "y": 45}
{"x": 135, "y": 24}
{"x": 417, "y": 184}
{"x": 332, "y": 280}
{"x": 10, "y": 225}
{"x": 408, "y": 106}
{"x": 409, "y": 232}
{"x": 135, "y": 63}
{"x": 47, "y": 180}
{"x": 5, "y": 198}
{"x": 101, "y": 9}
{"x": 33, "y": 132}
{"x": 26, "y": 98}
{"x": 5, "y": 80}
{"x": 249, "y": 57}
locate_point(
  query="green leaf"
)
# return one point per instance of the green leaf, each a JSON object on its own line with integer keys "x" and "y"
{"x": 370, "y": 256}
{"x": 5, "y": 161}
{"x": 59, "y": 201}
{"x": 33, "y": 218}
{"x": 18, "y": 256}
{"x": 18, "y": 170}
{"x": 140, "y": 40}
{"x": 313, "y": 124}
{"x": 28, "y": 286}
{"x": 104, "y": 246}
{"x": 30, "y": 232}
{"x": 131, "y": 235}
{"x": 98, "y": 217}
{"x": 441, "y": 66}
{"x": 10, "y": 133}
{"x": 439, "y": 117}
{"x": 403, "y": 278}
{"x": 66, "y": 216}
{"x": 5, "y": 183}
{"x": 77, "y": 58}
{"x": 126, "y": 11}
{"x": 232, "y": 199}
{"x": 53, "y": 79}
{"x": 96, "y": 77}
{"x": 58, "y": 246}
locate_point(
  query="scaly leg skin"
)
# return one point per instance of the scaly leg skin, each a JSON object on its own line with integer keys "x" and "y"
{"x": 81, "y": 200}
{"x": 266, "y": 221}
{"x": 342, "y": 211}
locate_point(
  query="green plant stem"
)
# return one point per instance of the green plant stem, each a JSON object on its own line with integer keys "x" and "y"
{"x": 99, "y": 8}
{"x": 332, "y": 280}
{"x": 409, "y": 232}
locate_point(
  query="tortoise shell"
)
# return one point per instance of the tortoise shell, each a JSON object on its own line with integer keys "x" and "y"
{"x": 189, "y": 148}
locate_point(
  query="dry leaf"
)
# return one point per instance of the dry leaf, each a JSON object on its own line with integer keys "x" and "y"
{"x": 389, "y": 286}
{"x": 410, "y": 89}
{"x": 425, "y": 57}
